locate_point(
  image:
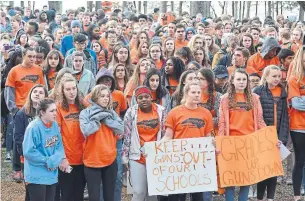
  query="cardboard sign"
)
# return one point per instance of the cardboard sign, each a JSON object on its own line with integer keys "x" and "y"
{"x": 181, "y": 166}
{"x": 248, "y": 159}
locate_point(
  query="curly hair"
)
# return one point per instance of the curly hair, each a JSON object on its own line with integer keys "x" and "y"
{"x": 231, "y": 90}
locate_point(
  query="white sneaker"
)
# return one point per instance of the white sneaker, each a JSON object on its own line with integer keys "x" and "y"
{"x": 8, "y": 158}
{"x": 252, "y": 193}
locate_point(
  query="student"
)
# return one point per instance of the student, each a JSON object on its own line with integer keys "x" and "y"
{"x": 41, "y": 54}
{"x": 155, "y": 53}
{"x": 286, "y": 57}
{"x": 159, "y": 94}
{"x": 121, "y": 55}
{"x": 296, "y": 94}
{"x": 273, "y": 98}
{"x": 297, "y": 37}
{"x": 171, "y": 74}
{"x": 240, "y": 113}
{"x": 121, "y": 77}
{"x": 193, "y": 65}
{"x": 239, "y": 60}
{"x": 43, "y": 153}
{"x": 22, "y": 119}
{"x": 100, "y": 124}
{"x": 221, "y": 78}
{"x": 168, "y": 48}
{"x": 201, "y": 56}
{"x": 137, "y": 78}
{"x": 254, "y": 80}
{"x": 69, "y": 105}
{"x": 143, "y": 122}
{"x": 248, "y": 43}
{"x": 51, "y": 68}
{"x": 176, "y": 129}
{"x": 141, "y": 53}
{"x": 185, "y": 54}
{"x": 97, "y": 48}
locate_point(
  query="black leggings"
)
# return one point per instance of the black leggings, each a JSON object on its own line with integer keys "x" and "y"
{"x": 298, "y": 140}
{"x": 72, "y": 184}
{"x": 107, "y": 175}
{"x": 270, "y": 184}
{"x": 182, "y": 197}
{"x": 40, "y": 192}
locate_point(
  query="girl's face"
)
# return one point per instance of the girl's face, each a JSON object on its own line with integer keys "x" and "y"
{"x": 208, "y": 40}
{"x": 169, "y": 45}
{"x": 122, "y": 55}
{"x": 144, "y": 49}
{"x": 296, "y": 35}
{"x": 144, "y": 66}
{"x": 199, "y": 56}
{"x": 191, "y": 78}
{"x": 198, "y": 43}
{"x": 194, "y": 94}
{"x": 155, "y": 52}
{"x": 154, "y": 82}
{"x": 39, "y": 58}
{"x": 143, "y": 38}
{"x": 274, "y": 77}
{"x": 202, "y": 81}
{"x": 228, "y": 28}
{"x": 120, "y": 72}
{"x": 50, "y": 114}
{"x": 240, "y": 81}
{"x": 191, "y": 66}
{"x": 37, "y": 95}
{"x": 96, "y": 47}
{"x": 23, "y": 39}
{"x": 169, "y": 67}
{"x": 104, "y": 99}
{"x": 70, "y": 91}
{"x": 189, "y": 35}
{"x": 53, "y": 60}
{"x": 247, "y": 42}
{"x": 49, "y": 41}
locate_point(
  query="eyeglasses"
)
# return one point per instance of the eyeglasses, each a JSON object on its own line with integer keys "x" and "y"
{"x": 82, "y": 43}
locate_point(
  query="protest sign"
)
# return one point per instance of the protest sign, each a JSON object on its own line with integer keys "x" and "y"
{"x": 248, "y": 159}
{"x": 181, "y": 166}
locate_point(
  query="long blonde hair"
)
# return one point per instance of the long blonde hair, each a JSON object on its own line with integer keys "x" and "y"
{"x": 266, "y": 73}
{"x": 191, "y": 43}
{"x": 297, "y": 65}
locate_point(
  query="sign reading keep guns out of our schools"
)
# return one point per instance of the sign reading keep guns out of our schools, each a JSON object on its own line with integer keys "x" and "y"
{"x": 181, "y": 166}
{"x": 248, "y": 159}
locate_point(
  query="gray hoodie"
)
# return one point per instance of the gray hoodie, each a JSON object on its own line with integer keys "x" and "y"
{"x": 268, "y": 45}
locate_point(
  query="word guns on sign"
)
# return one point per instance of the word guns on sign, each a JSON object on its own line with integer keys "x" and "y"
{"x": 249, "y": 159}
{"x": 181, "y": 166}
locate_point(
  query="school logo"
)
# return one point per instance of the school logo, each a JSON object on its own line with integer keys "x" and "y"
{"x": 149, "y": 124}
{"x": 72, "y": 116}
{"x": 51, "y": 141}
{"x": 115, "y": 105}
{"x": 30, "y": 78}
{"x": 242, "y": 106}
{"x": 193, "y": 123}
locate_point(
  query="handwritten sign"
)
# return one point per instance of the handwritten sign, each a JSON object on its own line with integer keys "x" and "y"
{"x": 181, "y": 166}
{"x": 248, "y": 159}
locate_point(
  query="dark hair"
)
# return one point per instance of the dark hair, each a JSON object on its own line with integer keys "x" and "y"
{"x": 18, "y": 38}
{"x": 25, "y": 50}
{"x": 47, "y": 66}
{"x": 161, "y": 90}
{"x": 28, "y": 106}
{"x": 142, "y": 16}
{"x": 90, "y": 31}
{"x": 179, "y": 26}
{"x": 178, "y": 67}
{"x": 11, "y": 62}
{"x": 79, "y": 37}
{"x": 35, "y": 25}
{"x": 49, "y": 31}
{"x": 194, "y": 63}
{"x": 186, "y": 53}
{"x": 43, "y": 43}
{"x": 109, "y": 32}
{"x": 44, "y": 104}
{"x": 209, "y": 76}
{"x": 40, "y": 49}
{"x": 284, "y": 53}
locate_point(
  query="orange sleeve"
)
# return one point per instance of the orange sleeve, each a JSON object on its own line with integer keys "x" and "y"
{"x": 102, "y": 57}
{"x": 293, "y": 88}
{"x": 170, "y": 121}
{"x": 124, "y": 103}
{"x": 251, "y": 62}
{"x": 42, "y": 81}
{"x": 10, "y": 81}
{"x": 209, "y": 127}
{"x": 58, "y": 116}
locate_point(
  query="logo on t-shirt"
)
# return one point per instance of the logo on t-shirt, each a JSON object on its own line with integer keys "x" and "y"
{"x": 31, "y": 78}
{"x": 115, "y": 105}
{"x": 242, "y": 106}
{"x": 51, "y": 141}
{"x": 193, "y": 123}
{"x": 72, "y": 116}
{"x": 148, "y": 124}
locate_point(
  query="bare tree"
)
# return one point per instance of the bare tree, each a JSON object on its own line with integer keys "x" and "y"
{"x": 163, "y": 6}
{"x": 213, "y": 9}
{"x": 89, "y": 5}
{"x": 281, "y": 7}
{"x": 145, "y": 7}
{"x": 222, "y": 6}
{"x": 233, "y": 9}
{"x": 277, "y": 7}
{"x": 57, "y": 5}
{"x": 248, "y": 9}
{"x": 180, "y": 7}
{"x": 269, "y": 8}
{"x": 139, "y": 7}
{"x": 236, "y": 9}
{"x": 244, "y": 8}
{"x": 256, "y": 7}
{"x": 172, "y": 6}
{"x": 240, "y": 10}
{"x": 200, "y": 7}
{"x": 98, "y": 5}
{"x": 301, "y": 14}
{"x": 124, "y": 5}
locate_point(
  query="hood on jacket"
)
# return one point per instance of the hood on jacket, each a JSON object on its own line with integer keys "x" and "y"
{"x": 50, "y": 15}
{"x": 104, "y": 72}
{"x": 268, "y": 45}
{"x": 39, "y": 17}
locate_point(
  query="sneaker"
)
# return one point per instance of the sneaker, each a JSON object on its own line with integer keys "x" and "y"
{"x": 289, "y": 181}
{"x": 86, "y": 194}
{"x": 8, "y": 158}
{"x": 17, "y": 176}
{"x": 302, "y": 191}
{"x": 279, "y": 180}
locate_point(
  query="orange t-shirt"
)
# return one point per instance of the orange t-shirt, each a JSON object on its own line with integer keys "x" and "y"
{"x": 72, "y": 136}
{"x": 296, "y": 89}
{"x": 204, "y": 102}
{"x": 22, "y": 79}
{"x": 179, "y": 44}
{"x": 100, "y": 148}
{"x": 188, "y": 123}
{"x": 173, "y": 83}
{"x": 248, "y": 69}
{"x": 103, "y": 42}
{"x": 159, "y": 64}
{"x": 134, "y": 56}
{"x": 295, "y": 46}
{"x": 51, "y": 78}
{"x": 258, "y": 63}
{"x": 241, "y": 117}
{"x": 154, "y": 98}
{"x": 148, "y": 127}
{"x": 276, "y": 93}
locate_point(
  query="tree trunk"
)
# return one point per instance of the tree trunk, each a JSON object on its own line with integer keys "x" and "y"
{"x": 139, "y": 6}
{"x": 277, "y": 8}
{"x": 98, "y": 5}
{"x": 200, "y": 7}
{"x": 163, "y": 6}
{"x": 11, "y": 3}
{"x": 248, "y": 9}
{"x": 240, "y": 11}
{"x": 89, "y": 6}
{"x": 269, "y": 8}
{"x": 145, "y": 7}
{"x": 236, "y": 9}
{"x": 57, "y": 5}
{"x": 233, "y": 9}
{"x": 226, "y": 8}
{"x": 281, "y": 7}
{"x": 22, "y": 4}
{"x": 180, "y": 7}
{"x": 124, "y": 5}
{"x": 34, "y": 7}
{"x": 256, "y": 7}
{"x": 265, "y": 9}
{"x": 244, "y": 8}
{"x": 172, "y": 6}
{"x": 301, "y": 14}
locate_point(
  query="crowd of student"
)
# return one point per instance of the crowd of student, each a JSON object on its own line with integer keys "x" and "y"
{"x": 82, "y": 92}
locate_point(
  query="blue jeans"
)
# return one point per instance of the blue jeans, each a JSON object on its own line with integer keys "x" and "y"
{"x": 119, "y": 179}
{"x": 207, "y": 196}
{"x": 242, "y": 196}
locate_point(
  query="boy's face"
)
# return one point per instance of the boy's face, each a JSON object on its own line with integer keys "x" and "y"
{"x": 254, "y": 81}
{"x": 221, "y": 81}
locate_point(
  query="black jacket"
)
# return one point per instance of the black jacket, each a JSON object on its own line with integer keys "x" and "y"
{"x": 267, "y": 103}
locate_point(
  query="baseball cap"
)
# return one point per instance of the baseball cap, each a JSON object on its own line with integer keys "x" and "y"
{"x": 221, "y": 71}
